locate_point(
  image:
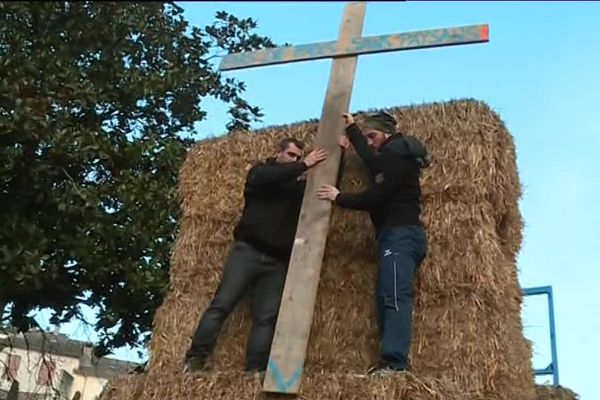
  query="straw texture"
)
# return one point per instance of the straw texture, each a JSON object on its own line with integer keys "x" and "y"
{"x": 545, "y": 392}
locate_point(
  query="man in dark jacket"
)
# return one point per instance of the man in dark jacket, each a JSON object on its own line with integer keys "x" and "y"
{"x": 258, "y": 260}
{"x": 394, "y": 203}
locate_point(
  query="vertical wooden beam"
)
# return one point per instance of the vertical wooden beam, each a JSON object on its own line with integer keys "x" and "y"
{"x": 288, "y": 351}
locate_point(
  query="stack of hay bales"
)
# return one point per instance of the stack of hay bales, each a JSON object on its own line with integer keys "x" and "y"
{"x": 468, "y": 340}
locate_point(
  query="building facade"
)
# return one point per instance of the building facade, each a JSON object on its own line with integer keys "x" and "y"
{"x": 52, "y": 366}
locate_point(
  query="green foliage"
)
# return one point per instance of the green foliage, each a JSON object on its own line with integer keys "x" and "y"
{"x": 97, "y": 104}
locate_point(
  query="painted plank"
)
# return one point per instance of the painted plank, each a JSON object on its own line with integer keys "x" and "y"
{"x": 357, "y": 46}
{"x": 288, "y": 351}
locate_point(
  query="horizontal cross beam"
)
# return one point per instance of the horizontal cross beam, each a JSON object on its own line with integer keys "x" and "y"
{"x": 357, "y": 46}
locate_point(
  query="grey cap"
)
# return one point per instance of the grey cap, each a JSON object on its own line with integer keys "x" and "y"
{"x": 380, "y": 121}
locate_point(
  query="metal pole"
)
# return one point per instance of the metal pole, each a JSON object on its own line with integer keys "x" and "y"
{"x": 553, "y": 337}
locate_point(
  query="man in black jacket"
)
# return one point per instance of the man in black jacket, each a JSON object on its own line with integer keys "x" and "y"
{"x": 394, "y": 203}
{"x": 259, "y": 258}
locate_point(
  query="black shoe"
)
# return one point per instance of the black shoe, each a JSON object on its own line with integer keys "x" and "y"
{"x": 194, "y": 364}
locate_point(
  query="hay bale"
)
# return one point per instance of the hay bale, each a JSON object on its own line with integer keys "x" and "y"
{"x": 237, "y": 386}
{"x": 546, "y": 392}
{"x": 467, "y": 322}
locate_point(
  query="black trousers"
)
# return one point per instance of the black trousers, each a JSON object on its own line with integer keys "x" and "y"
{"x": 246, "y": 270}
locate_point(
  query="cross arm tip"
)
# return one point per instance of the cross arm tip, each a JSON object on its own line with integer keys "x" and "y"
{"x": 485, "y": 32}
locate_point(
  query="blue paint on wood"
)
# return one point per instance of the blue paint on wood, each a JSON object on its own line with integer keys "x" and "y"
{"x": 358, "y": 45}
{"x": 283, "y": 385}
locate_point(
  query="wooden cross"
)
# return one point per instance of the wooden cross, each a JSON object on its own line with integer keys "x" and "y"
{"x": 288, "y": 351}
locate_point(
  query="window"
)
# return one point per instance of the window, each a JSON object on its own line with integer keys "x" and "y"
{"x": 46, "y": 372}
{"x": 66, "y": 383}
{"x": 11, "y": 368}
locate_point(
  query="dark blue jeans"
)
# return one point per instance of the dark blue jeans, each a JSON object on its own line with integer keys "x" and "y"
{"x": 401, "y": 252}
{"x": 247, "y": 271}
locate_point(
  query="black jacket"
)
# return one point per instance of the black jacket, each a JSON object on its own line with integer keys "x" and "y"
{"x": 273, "y": 198}
{"x": 394, "y": 196}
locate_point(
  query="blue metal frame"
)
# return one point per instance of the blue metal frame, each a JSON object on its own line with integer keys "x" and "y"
{"x": 551, "y": 369}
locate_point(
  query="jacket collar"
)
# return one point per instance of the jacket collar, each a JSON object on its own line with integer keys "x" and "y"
{"x": 389, "y": 140}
